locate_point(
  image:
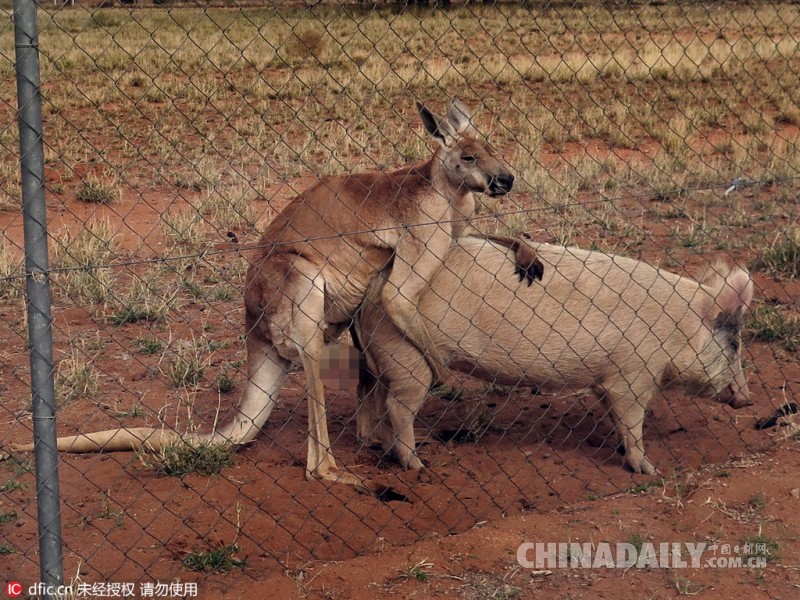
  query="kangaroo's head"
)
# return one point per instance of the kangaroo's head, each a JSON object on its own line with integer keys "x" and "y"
{"x": 466, "y": 161}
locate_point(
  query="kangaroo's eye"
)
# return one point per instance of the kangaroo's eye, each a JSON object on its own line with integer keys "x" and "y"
{"x": 468, "y": 159}
{"x": 735, "y": 345}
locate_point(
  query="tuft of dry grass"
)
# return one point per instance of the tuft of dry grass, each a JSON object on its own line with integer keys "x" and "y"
{"x": 182, "y": 458}
{"x": 12, "y": 269}
{"x": 76, "y": 376}
{"x": 97, "y": 189}
{"x": 148, "y": 297}
{"x": 84, "y": 258}
{"x": 782, "y": 256}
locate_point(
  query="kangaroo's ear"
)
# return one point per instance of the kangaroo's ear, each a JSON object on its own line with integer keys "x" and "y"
{"x": 460, "y": 117}
{"x": 441, "y": 130}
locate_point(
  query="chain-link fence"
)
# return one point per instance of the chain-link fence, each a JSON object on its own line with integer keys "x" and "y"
{"x": 175, "y": 133}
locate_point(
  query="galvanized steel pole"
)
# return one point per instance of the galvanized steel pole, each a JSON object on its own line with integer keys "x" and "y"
{"x": 26, "y": 38}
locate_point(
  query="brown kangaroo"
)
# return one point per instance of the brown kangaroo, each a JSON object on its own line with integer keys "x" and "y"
{"x": 315, "y": 262}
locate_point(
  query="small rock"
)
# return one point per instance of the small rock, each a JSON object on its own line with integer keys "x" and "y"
{"x": 795, "y": 492}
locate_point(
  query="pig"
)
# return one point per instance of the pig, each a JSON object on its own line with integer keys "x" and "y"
{"x": 615, "y": 325}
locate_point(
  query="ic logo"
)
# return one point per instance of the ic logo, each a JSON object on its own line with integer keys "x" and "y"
{"x": 14, "y": 589}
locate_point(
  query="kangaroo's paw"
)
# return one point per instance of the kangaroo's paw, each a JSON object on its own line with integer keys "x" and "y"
{"x": 529, "y": 270}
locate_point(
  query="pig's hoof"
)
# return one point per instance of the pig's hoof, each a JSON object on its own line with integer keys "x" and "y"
{"x": 740, "y": 401}
{"x": 424, "y": 475}
{"x": 647, "y": 467}
{"x": 412, "y": 463}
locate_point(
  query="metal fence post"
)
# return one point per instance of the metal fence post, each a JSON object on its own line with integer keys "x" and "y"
{"x": 26, "y": 40}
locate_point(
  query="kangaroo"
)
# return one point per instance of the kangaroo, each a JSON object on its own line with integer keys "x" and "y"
{"x": 609, "y": 323}
{"x": 314, "y": 264}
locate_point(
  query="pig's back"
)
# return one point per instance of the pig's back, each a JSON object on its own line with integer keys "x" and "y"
{"x": 591, "y": 312}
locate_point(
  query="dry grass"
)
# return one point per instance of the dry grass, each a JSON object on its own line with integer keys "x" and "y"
{"x": 354, "y": 70}
{"x": 76, "y": 376}
{"x": 12, "y": 268}
{"x": 147, "y": 297}
{"x": 98, "y": 189}
{"x": 84, "y": 258}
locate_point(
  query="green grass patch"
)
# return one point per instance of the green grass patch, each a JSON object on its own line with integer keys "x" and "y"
{"x": 11, "y": 485}
{"x": 218, "y": 560}
{"x": 771, "y": 324}
{"x": 134, "y": 313}
{"x": 181, "y": 458}
{"x": 224, "y": 382}
{"x": 645, "y": 487}
{"x": 148, "y": 346}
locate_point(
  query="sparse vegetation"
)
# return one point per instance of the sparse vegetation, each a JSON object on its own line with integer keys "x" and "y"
{"x": 687, "y": 587}
{"x": 757, "y": 501}
{"x": 187, "y": 366}
{"x": 218, "y": 560}
{"x": 182, "y": 458}
{"x": 76, "y": 376}
{"x": 771, "y": 323}
{"x": 186, "y": 228}
{"x": 645, "y": 487}
{"x": 147, "y": 299}
{"x": 782, "y": 256}
{"x": 98, "y": 190}
{"x": 11, "y": 270}
{"x": 148, "y": 346}
{"x": 84, "y": 258}
{"x": 420, "y": 571}
{"x": 224, "y": 382}
{"x": 205, "y": 174}
{"x": 637, "y": 541}
{"x": 11, "y": 485}
{"x": 761, "y": 546}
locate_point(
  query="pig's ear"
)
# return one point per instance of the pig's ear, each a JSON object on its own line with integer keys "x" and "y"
{"x": 732, "y": 293}
{"x": 735, "y": 292}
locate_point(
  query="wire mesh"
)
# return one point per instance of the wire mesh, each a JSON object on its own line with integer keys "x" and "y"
{"x": 176, "y": 132}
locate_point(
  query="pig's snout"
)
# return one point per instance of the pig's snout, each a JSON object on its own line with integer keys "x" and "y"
{"x": 736, "y": 397}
